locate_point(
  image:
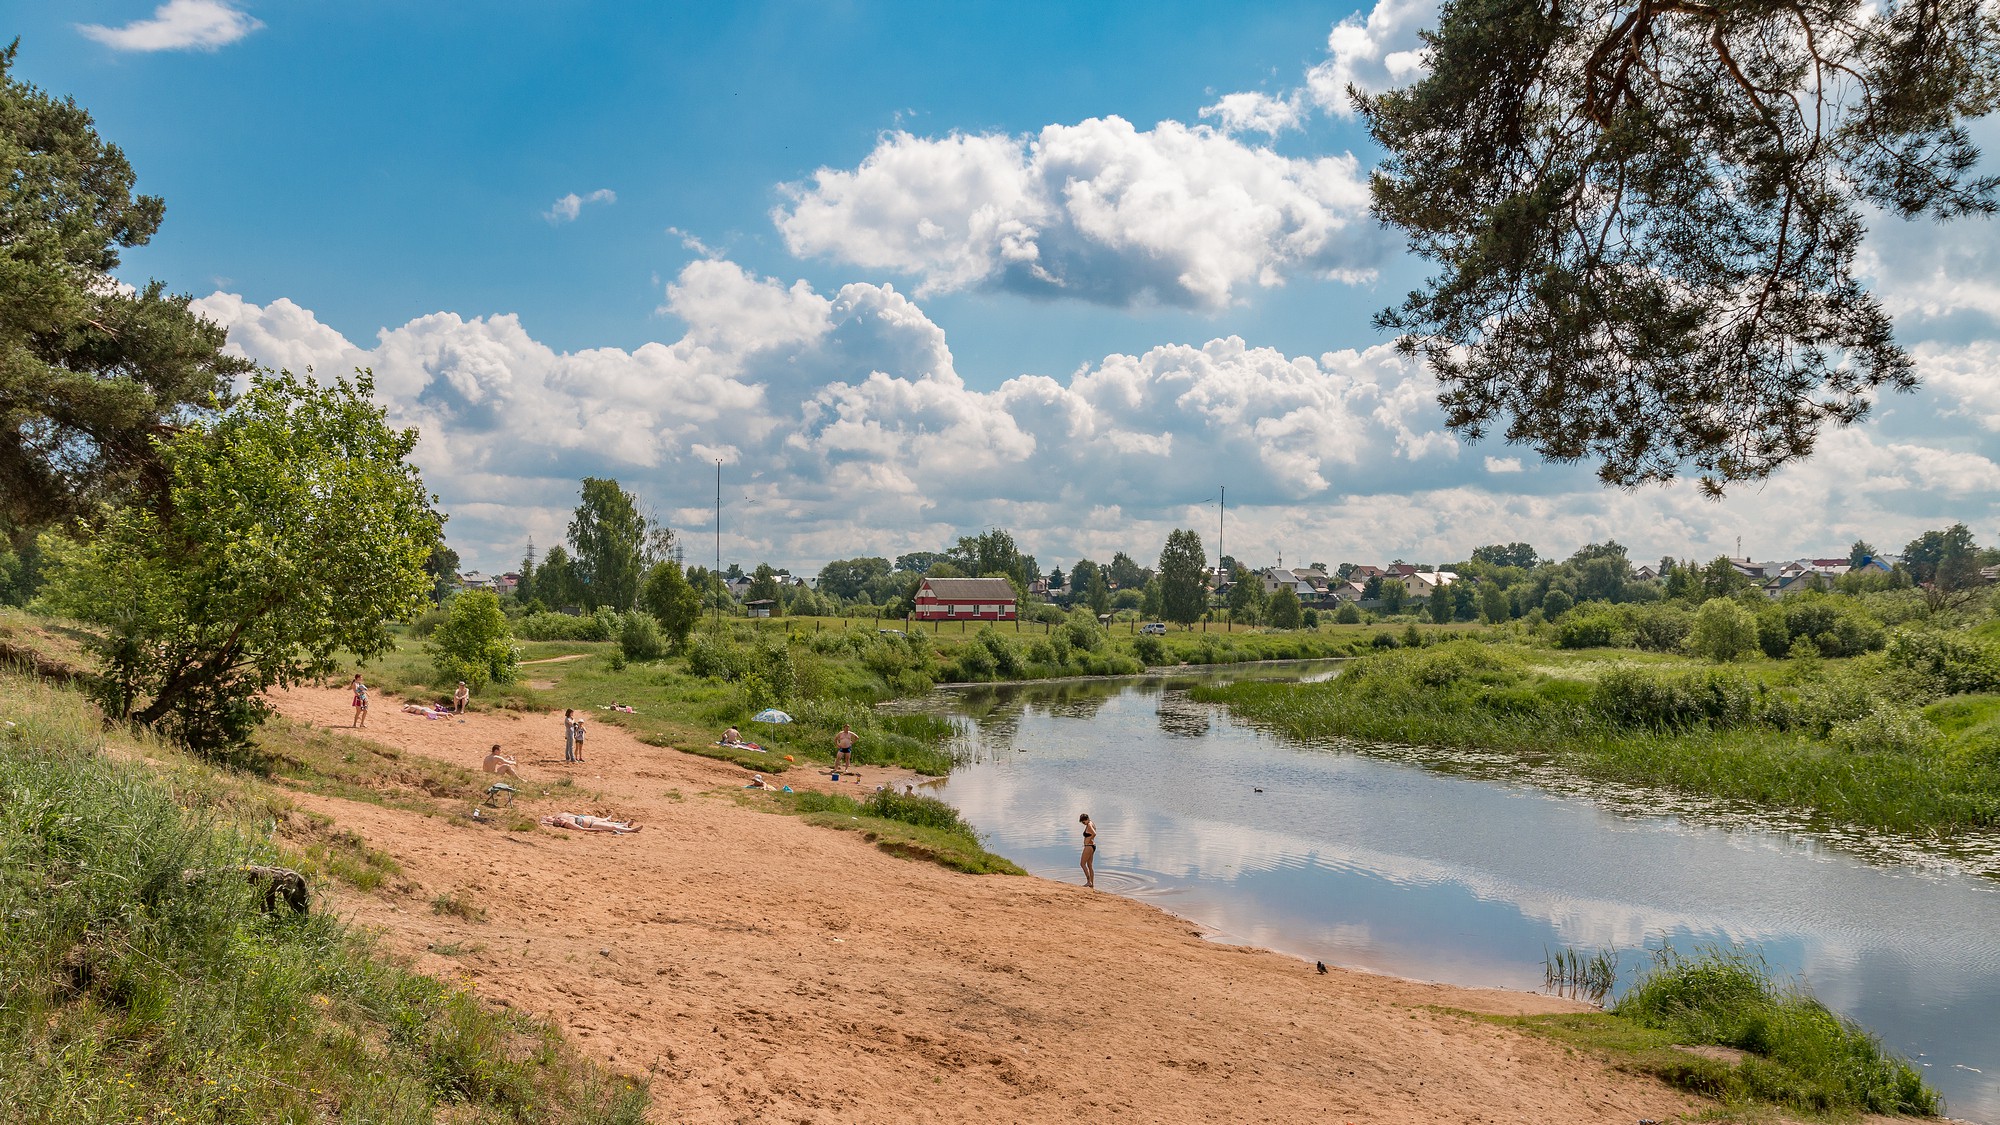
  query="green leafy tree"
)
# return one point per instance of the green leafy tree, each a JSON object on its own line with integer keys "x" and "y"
{"x": 442, "y": 566}
{"x": 1151, "y": 602}
{"x": 1860, "y": 553}
{"x": 1100, "y": 592}
{"x": 1282, "y": 610}
{"x": 850, "y": 578}
{"x": 764, "y": 587}
{"x": 1948, "y": 559}
{"x": 556, "y": 581}
{"x": 1555, "y": 603}
{"x": 1507, "y": 554}
{"x": 1723, "y": 630}
{"x": 1394, "y": 595}
{"x": 474, "y": 643}
{"x": 1440, "y": 605}
{"x": 1183, "y": 587}
{"x": 1246, "y": 597}
{"x": 1125, "y": 574}
{"x": 674, "y": 603}
{"x": 1493, "y": 604}
{"x": 919, "y": 562}
{"x": 1645, "y": 216}
{"x": 1347, "y": 614}
{"x": 90, "y": 371}
{"x": 609, "y": 535}
{"x": 292, "y": 525}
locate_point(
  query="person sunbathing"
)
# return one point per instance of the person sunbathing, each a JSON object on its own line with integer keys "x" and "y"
{"x": 499, "y": 763}
{"x": 582, "y": 822}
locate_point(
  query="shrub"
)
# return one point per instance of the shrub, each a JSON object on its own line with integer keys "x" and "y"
{"x": 1890, "y": 730}
{"x": 1723, "y": 630}
{"x": 710, "y": 657}
{"x": 1633, "y": 697}
{"x": 1578, "y": 629}
{"x": 1082, "y": 632}
{"x": 1348, "y": 614}
{"x": 1385, "y": 639}
{"x": 1149, "y": 649}
{"x": 1661, "y": 628}
{"x": 560, "y": 627}
{"x": 639, "y": 638}
{"x": 473, "y": 644}
{"x": 1837, "y": 626}
{"x": 1944, "y": 663}
{"x": 1555, "y": 603}
{"x": 924, "y": 812}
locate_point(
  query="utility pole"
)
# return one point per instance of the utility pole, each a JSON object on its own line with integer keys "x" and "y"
{"x": 716, "y": 574}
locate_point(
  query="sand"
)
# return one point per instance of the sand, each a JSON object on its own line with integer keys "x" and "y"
{"x": 763, "y": 969}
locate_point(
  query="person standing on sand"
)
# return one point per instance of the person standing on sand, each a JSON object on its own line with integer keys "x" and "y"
{"x": 360, "y": 701}
{"x": 569, "y": 736}
{"x": 1089, "y": 850}
{"x": 576, "y": 725}
{"x": 459, "y": 697}
{"x": 843, "y": 746}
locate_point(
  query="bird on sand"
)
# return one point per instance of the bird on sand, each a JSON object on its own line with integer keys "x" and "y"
{"x": 1320, "y": 965}
{"x": 1254, "y": 789}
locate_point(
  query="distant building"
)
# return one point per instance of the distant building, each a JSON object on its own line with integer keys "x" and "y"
{"x": 1424, "y": 583}
{"x": 760, "y": 607}
{"x": 965, "y": 599}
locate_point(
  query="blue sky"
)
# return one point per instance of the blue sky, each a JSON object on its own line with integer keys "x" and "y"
{"x": 909, "y": 270}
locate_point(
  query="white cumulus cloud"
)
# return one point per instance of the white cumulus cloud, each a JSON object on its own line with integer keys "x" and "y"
{"x": 1373, "y": 54}
{"x": 566, "y": 209}
{"x": 1101, "y": 210}
{"x": 1254, "y": 112}
{"x": 178, "y": 25}
{"x": 844, "y": 416}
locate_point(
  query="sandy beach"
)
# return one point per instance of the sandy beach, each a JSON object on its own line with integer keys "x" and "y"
{"x": 763, "y": 969}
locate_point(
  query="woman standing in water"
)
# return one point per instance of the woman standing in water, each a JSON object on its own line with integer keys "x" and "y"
{"x": 1089, "y": 850}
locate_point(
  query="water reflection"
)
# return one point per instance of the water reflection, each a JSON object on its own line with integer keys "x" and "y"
{"x": 1379, "y": 864}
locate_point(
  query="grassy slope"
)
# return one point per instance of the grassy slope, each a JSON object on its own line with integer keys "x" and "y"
{"x": 1537, "y": 703}
{"x": 135, "y": 991}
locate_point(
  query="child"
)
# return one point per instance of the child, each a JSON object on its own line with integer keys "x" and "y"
{"x": 577, "y": 726}
{"x": 360, "y": 701}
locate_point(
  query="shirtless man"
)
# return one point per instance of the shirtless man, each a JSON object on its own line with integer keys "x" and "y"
{"x": 499, "y": 763}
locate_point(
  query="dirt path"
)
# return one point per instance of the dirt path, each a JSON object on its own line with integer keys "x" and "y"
{"x": 768, "y": 970}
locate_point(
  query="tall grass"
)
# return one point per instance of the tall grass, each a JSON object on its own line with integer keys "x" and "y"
{"x": 1495, "y": 697}
{"x": 1798, "y": 1053}
{"x": 907, "y": 825}
{"x": 141, "y": 981}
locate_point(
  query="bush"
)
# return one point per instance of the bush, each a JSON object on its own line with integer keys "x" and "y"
{"x": 1555, "y": 603}
{"x": 639, "y": 638}
{"x": 1150, "y": 650}
{"x": 1579, "y": 629}
{"x": 710, "y": 657}
{"x": 1944, "y": 663}
{"x": 1722, "y": 631}
{"x": 560, "y": 627}
{"x": 1348, "y": 614}
{"x": 924, "y": 812}
{"x": 1633, "y": 697}
{"x": 1890, "y": 730}
{"x": 1661, "y": 628}
{"x": 473, "y": 644}
{"x": 1837, "y": 626}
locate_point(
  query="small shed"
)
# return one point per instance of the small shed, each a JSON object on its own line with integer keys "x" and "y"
{"x": 760, "y": 607}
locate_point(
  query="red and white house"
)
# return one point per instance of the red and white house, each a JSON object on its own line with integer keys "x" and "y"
{"x": 965, "y": 599}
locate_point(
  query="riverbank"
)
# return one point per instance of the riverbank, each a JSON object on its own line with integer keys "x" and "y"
{"x": 1849, "y": 745}
{"x": 760, "y": 967}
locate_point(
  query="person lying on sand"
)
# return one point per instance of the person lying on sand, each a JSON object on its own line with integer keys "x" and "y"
{"x": 499, "y": 763}
{"x": 426, "y": 712}
{"x": 622, "y": 708}
{"x": 582, "y": 822}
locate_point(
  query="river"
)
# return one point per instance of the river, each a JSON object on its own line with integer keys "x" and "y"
{"x": 1390, "y": 865}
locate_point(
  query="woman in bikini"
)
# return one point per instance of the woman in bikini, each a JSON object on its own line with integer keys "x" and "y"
{"x": 1089, "y": 850}
{"x": 360, "y": 701}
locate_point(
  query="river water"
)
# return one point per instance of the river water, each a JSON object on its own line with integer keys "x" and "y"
{"x": 1366, "y": 860}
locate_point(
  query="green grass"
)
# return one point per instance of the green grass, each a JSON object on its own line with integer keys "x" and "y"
{"x": 132, "y": 991}
{"x": 1548, "y": 708}
{"x": 908, "y": 826}
{"x": 1778, "y": 1045}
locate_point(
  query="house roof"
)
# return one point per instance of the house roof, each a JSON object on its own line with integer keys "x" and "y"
{"x": 971, "y": 589}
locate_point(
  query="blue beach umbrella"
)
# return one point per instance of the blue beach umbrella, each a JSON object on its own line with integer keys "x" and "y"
{"x": 770, "y": 715}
